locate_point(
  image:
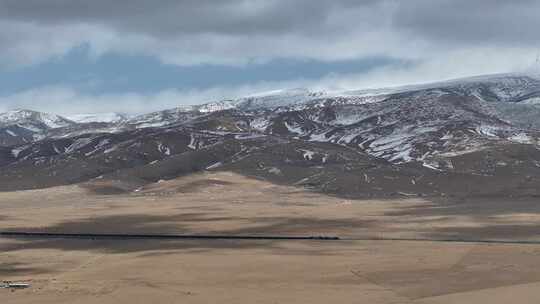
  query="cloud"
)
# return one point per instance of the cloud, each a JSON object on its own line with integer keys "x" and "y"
{"x": 465, "y": 23}
{"x": 239, "y": 32}
{"x": 444, "y": 38}
{"x": 179, "y": 17}
{"x": 190, "y": 31}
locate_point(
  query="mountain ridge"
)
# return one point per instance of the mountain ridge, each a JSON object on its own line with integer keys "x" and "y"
{"x": 437, "y": 131}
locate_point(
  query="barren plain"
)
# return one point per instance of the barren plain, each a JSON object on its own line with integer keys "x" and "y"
{"x": 350, "y": 270}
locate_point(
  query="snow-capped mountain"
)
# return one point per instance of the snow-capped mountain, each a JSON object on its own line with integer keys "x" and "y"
{"x": 267, "y": 100}
{"x": 369, "y": 118}
{"x": 498, "y": 87}
{"x": 33, "y": 118}
{"x": 415, "y": 123}
{"x": 21, "y": 126}
{"x": 482, "y": 128}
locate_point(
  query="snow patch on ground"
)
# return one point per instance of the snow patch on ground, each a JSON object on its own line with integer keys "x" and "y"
{"x": 307, "y": 154}
{"x": 249, "y": 136}
{"x": 213, "y": 166}
{"x": 429, "y": 166}
{"x": 293, "y": 129}
{"x": 164, "y": 149}
{"x": 347, "y": 138}
{"x": 11, "y": 133}
{"x": 111, "y": 149}
{"x": 193, "y": 142}
{"x": 15, "y": 152}
{"x": 521, "y": 138}
{"x": 259, "y": 123}
{"x": 78, "y": 144}
{"x": 487, "y": 131}
{"x": 321, "y": 137}
{"x": 275, "y": 171}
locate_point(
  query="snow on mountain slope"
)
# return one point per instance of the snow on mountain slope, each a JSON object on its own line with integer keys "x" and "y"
{"x": 434, "y": 138}
{"x": 498, "y": 87}
{"x": 161, "y": 118}
{"x": 32, "y": 119}
{"x": 452, "y": 117}
{"x": 98, "y": 117}
{"x": 214, "y": 106}
{"x": 398, "y": 124}
{"x": 267, "y": 100}
{"x": 22, "y": 126}
{"x": 278, "y": 98}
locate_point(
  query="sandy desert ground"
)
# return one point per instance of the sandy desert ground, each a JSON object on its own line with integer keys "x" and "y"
{"x": 256, "y": 271}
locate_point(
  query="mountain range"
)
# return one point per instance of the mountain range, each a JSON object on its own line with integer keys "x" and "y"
{"x": 476, "y": 136}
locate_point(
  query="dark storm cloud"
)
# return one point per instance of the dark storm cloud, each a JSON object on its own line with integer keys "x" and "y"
{"x": 455, "y": 21}
{"x": 177, "y": 17}
{"x": 472, "y": 21}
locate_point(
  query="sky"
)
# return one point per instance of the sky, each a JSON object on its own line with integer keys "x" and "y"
{"x": 136, "y": 56}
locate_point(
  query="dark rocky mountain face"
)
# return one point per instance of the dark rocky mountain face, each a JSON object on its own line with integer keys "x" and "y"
{"x": 473, "y": 136}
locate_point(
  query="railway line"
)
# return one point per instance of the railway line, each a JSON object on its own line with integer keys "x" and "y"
{"x": 116, "y": 236}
